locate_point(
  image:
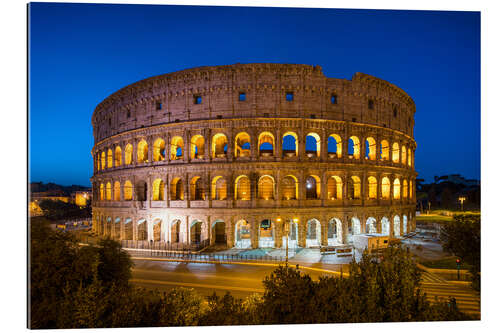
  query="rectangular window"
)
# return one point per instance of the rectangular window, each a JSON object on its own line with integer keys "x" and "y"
{"x": 370, "y": 104}
{"x": 313, "y": 116}
{"x": 158, "y": 106}
{"x": 353, "y": 120}
{"x": 289, "y": 96}
{"x": 243, "y": 97}
{"x": 197, "y": 99}
{"x": 333, "y": 99}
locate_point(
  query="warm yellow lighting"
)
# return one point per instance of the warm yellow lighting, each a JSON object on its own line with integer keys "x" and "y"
{"x": 295, "y": 220}
{"x": 278, "y": 219}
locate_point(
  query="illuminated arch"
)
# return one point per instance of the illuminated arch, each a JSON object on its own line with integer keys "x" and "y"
{"x": 386, "y": 188}
{"x": 405, "y": 225}
{"x": 334, "y": 145}
{"x": 176, "y": 148}
{"x": 386, "y": 226}
{"x": 219, "y": 188}
{"x": 403, "y": 155}
{"x": 314, "y": 143}
{"x": 384, "y": 150}
{"x": 409, "y": 157}
{"x": 176, "y": 189}
{"x": 128, "y": 154}
{"x": 371, "y": 149}
{"x": 313, "y": 187}
{"x": 354, "y": 147}
{"x": 196, "y": 190}
{"x": 265, "y": 187}
{"x": 397, "y": 189}
{"x": 102, "y": 191}
{"x": 371, "y": 225}
{"x": 108, "y": 191}
{"x": 197, "y": 146}
{"x": 372, "y": 187}
{"x": 242, "y": 233}
{"x": 219, "y": 145}
{"x": 405, "y": 189}
{"x": 142, "y": 230}
{"x": 158, "y": 189}
{"x": 397, "y": 226}
{"x": 242, "y": 188}
{"x": 103, "y": 160}
{"x": 116, "y": 191}
{"x": 354, "y": 187}
{"x": 127, "y": 190}
{"x": 110, "y": 158}
{"x": 157, "y": 230}
{"x": 118, "y": 156}
{"x": 159, "y": 150}
{"x": 290, "y": 144}
{"x": 313, "y": 233}
{"x": 334, "y": 188}
{"x": 334, "y": 232}
{"x": 266, "y": 144}
{"x": 242, "y": 145}
{"x": 290, "y": 188}
{"x": 395, "y": 152}
{"x": 142, "y": 152}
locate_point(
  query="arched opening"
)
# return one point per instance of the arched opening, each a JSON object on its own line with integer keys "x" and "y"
{"x": 242, "y": 145}
{"x": 128, "y": 229}
{"x": 141, "y": 191}
{"x": 196, "y": 191}
{"x": 219, "y": 232}
{"x": 409, "y": 157}
{"x": 242, "y": 188}
{"x": 266, "y": 144}
{"x": 405, "y": 225}
{"x": 405, "y": 189}
{"x": 290, "y": 190}
{"x": 313, "y": 187}
{"x": 142, "y": 152}
{"x": 102, "y": 191}
{"x": 386, "y": 226}
{"x": 118, "y": 156}
{"x": 176, "y": 148}
{"x": 116, "y": 229}
{"x": 108, "y": 191}
{"x": 386, "y": 188}
{"x": 403, "y": 154}
{"x": 116, "y": 191}
{"x": 127, "y": 190}
{"x": 334, "y": 188}
{"x": 176, "y": 189}
{"x": 142, "y": 230}
{"x": 175, "y": 231}
{"x": 354, "y": 188}
{"x": 266, "y": 234}
{"x": 195, "y": 232}
{"x": 397, "y": 230}
{"x": 242, "y": 235}
{"x": 157, "y": 230}
{"x": 384, "y": 150}
{"x": 313, "y": 233}
{"x": 395, "y": 152}
{"x": 219, "y": 188}
{"x": 197, "y": 147}
{"x": 353, "y": 148}
{"x": 290, "y": 144}
{"x": 334, "y": 233}
{"x": 372, "y": 187}
{"x": 334, "y": 146}
{"x": 159, "y": 150}
{"x": 397, "y": 189}
{"x": 313, "y": 145}
{"x": 158, "y": 190}
{"x": 356, "y": 226}
{"x": 219, "y": 145}
{"x": 110, "y": 158}
{"x": 128, "y": 154}
{"x": 103, "y": 160}
{"x": 265, "y": 188}
{"x": 370, "y": 149}
{"x": 108, "y": 226}
{"x": 371, "y": 225}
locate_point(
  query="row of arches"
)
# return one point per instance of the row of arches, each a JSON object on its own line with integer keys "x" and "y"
{"x": 266, "y": 146}
{"x": 266, "y": 233}
{"x": 266, "y": 189}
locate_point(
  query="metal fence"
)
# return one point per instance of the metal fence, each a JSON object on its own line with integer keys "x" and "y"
{"x": 164, "y": 246}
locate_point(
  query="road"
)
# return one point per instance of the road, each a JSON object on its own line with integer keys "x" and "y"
{"x": 240, "y": 280}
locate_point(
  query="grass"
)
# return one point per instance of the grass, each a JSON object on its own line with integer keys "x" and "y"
{"x": 445, "y": 263}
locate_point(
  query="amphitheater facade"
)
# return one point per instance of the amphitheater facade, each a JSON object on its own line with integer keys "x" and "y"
{"x": 238, "y": 154}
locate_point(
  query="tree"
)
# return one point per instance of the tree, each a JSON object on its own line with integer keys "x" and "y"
{"x": 462, "y": 238}
{"x": 58, "y": 210}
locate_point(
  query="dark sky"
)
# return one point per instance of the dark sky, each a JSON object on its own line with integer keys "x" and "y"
{"x": 81, "y": 53}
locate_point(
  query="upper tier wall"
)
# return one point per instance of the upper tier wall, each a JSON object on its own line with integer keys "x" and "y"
{"x": 172, "y": 98}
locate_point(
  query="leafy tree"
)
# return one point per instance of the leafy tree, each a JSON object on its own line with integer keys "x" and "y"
{"x": 225, "y": 310}
{"x": 462, "y": 238}
{"x": 58, "y": 210}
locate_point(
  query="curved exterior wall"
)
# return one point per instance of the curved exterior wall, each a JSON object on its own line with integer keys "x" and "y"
{"x": 166, "y": 145}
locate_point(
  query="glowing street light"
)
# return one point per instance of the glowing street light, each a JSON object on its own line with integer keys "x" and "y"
{"x": 462, "y": 199}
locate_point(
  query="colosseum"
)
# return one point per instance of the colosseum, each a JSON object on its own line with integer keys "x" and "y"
{"x": 232, "y": 154}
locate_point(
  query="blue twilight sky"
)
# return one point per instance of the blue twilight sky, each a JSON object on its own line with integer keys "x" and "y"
{"x": 81, "y": 53}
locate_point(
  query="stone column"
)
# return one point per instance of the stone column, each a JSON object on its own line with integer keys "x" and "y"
{"x": 278, "y": 234}
{"x": 254, "y": 232}
{"x": 324, "y": 145}
{"x": 324, "y": 232}
{"x": 254, "y": 149}
{"x": 230, "y": 232}
{"x": 278, "y": 151}
{"x": 302, "y": 232}
{"x": 186, "y": 150}
{"x": 230, "y": 145}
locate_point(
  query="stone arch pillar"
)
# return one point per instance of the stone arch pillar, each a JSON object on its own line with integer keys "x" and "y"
{"x": 254, "y": 232}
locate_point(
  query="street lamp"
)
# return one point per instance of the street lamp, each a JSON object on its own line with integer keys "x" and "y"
{"x": 462, "y": 199}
